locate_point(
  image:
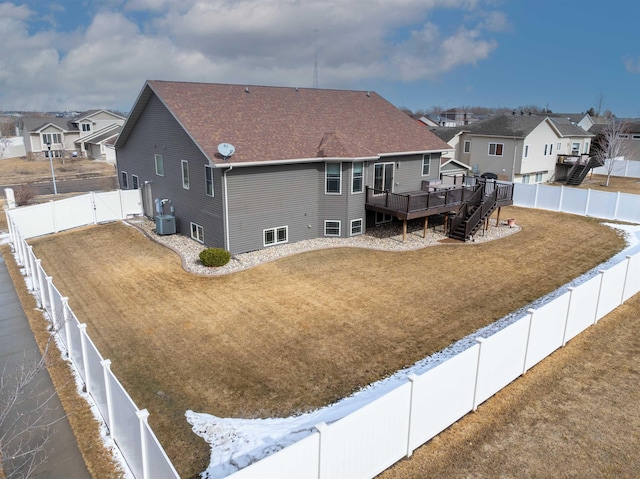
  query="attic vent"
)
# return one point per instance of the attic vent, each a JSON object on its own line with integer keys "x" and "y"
{"x": 368, "y": 93}
{"x": 246, "y": 89}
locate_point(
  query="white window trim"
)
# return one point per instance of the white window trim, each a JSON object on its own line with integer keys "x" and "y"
{"x": 339, "y": 228}
{"x": 526, "y": 151}
{"x": 558, "y": 147}
{"x": 351, "y": 233}
{"x": 199, "y": 237}
{"x": 125, "y": 179}
{"x": 185, "y": 178}
{"x": 213, "y": 189}
{"x": 155, "y": 159}
{"x": 467, "y": 146}
{"x": 339, "y": 192}
{"x": 135, "y": 182}
{"x": 425, "y": 157}
{"x": 496, "y": 149}
{"x": 353, "y": 173}
{"x": 275, "y": 235}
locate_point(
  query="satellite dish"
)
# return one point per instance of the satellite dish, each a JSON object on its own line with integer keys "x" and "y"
{"x": 226, "y": 150}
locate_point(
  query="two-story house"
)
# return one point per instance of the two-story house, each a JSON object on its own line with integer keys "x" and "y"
{"x": 247, "y": 167}
{"x": 84, "y": 135}
{"x": 519, "y": 148}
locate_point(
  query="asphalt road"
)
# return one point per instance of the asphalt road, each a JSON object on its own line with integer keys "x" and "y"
{"x": 78, "y": 185}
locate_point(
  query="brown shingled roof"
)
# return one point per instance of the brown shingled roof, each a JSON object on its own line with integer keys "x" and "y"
{"x": 280, "y": 123}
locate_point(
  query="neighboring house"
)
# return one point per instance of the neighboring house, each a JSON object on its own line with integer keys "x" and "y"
{"x": 459, "y": 116}
{"x": 302, "y": 160}
{"x": 583, "y": 120}
{"x": 519, "y": 148}
{"x": 436, "y": 120}
{"x": 630, "y": 137}
{"x": 83, "y": 135}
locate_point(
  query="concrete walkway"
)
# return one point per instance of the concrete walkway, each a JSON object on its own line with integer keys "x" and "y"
{"x": 17, "y": 347}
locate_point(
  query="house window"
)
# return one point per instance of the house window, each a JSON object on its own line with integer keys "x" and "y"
{"x": 383, "y": 218}
{"x": 426, "y": 162}
{"x": 357, "y": 177}
{"x": 332, "y": 228}
{"x": 383, "y": 176}
{"x": 51, "y": 138}
{"x": 558, "y": 147}
{"x": 495, "y": 149}
{"x": 197, "y": 233}
{"x": 185, "y": 174}
{"x": 467, "y": 146}
{"x": 551, "y": 148}
{"x": 275, "y": 235}
{"x": 125, "y": 180}
{"x": 635, "y": 137}
{"x": 575, "y": 148}
{"x": 356, "y": 227}
{"x": 586, "y": 147}
{"x": 526, "y": 151}
{"x": 333, "y": 176}
{"x": 86, "y": 127}
{"x": 538, "y": 177}
{"x": 526, "y": 179}
{"x": 53, "y": 154}
{"x": 159, "y": 165}
{"x": 208, "y": 180}
{"x": 545, "y": 149}
{"x": 623, "y": 136}
{"x": 135, "y": 184}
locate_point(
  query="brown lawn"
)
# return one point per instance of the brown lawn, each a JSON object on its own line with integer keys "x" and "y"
{"x": 624, "y": 185}
{"x": 20, "y": 170}
{"x": 303, "y": 331}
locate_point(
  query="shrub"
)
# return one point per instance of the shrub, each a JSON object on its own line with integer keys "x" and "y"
{"x": 24, "y": 194}
{"x": 215, "y": 257}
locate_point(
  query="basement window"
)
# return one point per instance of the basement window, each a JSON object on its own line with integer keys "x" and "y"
{"x": 332, "y": 228}
{"x": 197, "y": 232}
{"x": 273, "y": 236}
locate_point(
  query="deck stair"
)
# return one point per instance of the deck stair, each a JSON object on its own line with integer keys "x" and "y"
{"x": 473, "y": 214}
{"x": 579, "y": 172}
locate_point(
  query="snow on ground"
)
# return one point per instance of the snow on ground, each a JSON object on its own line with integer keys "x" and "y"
{"x": 237, "y": 443}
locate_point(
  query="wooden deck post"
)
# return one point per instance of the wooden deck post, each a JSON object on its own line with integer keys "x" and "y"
{"x": 404, "y": 230}
{"x": 426, "y": 225}
{"x": 498, "y": 217}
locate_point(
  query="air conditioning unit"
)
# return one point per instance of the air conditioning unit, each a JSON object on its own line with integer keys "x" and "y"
{"x": 165, "y": 224}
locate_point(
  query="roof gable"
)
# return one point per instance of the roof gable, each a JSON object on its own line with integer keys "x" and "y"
{"x": 281, "y": 123}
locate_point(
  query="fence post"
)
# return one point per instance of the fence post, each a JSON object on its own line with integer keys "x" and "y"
{"x": 92, "y": 199}
{"x": 561, "y": 198}
{"x": 480, "y": 341}
{"x": 526, "y": 348}
{"x": 106, "y": 368}
{"x": 40, "y": 289}
{"x": 143, "y": 416}
{"x": 24, "y": 257}
{"x": 320, "y": 428}
{"x": 65, "y": 315}
{"x": 52, "y": 308}
{"x": 83, "y": 347}
{"x": 32, "y": 265}
{"x": 615, "y": 208}
{"x": 52, "y": 204}
{"x": 626, "y": 276}
{"x": 595, "y": 319}
{"x": 566, "y": 318}
{"x": 535, "y": 196}
{"x": 412, "y": 379}
{"x": 586, "y": 203}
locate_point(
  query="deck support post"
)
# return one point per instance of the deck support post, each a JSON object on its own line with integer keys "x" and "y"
{"x": 446, "y": 223}
{"x": 404, "y": 230}
{"x": 426, "y": 225}
{"x": 498, "y": 217}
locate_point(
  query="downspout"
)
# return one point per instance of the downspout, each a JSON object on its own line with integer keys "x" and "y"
{"x": 513, "y": 166}
{"x": 226, "y": 209}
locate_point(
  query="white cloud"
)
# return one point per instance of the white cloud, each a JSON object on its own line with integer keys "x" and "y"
{"x": 632, "y": 65}
{"x": 253, "y": 41}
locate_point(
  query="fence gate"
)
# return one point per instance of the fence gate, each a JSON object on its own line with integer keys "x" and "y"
{"x": 147, "y": 200}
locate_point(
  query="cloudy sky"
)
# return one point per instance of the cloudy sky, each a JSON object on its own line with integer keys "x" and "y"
{"x": 567, "y": 55}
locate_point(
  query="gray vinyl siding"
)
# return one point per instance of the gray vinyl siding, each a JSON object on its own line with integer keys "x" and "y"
{"x": 157, "y": 132}
{"x": 264, "y": 197}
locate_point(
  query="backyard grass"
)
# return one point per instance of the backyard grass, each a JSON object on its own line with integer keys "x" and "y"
{"x": 20, "y": 170}
{"x": 621, "y": 184}
{"x": 301, "y": 332}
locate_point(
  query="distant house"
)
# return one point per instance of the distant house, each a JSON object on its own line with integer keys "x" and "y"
{"x": 519, "y": 148}
{"x": 84, "y": 135}
{"x": 294, "y": 163}
{"x": 630, "y": 136}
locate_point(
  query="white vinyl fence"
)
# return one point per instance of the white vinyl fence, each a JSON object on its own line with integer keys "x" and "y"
{"x": 628, "y": 168}
{"x": 599, "y": 204}
{"x": 127, "y": 424}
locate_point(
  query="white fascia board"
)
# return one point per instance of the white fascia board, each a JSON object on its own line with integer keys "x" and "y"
{"x": 290, "y": 161}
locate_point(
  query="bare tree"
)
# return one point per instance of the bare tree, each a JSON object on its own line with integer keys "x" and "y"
{"x": 611, "y": 145}
{"x": 25, "y": 419}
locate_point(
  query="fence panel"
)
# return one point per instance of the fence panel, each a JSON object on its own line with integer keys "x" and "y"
{"x": 442, "y": 395}
{"x": 73, "y": 212}
{"x": 298, "y": 461}
{"x": 548, "y": 197}
{"x": 95, "y": 379}
{"x": 34, "y": 220}
{"x": 108, "y": 207}
{"x": 57, "y": 308}
{"x": 369, "y": 440}
{"x": 501, "y": 359}
{"x": 547, "y": 330}
{"x": 625, "y": 168}
{"x": 628, "y": 208}
{"x": 602, "y": 204}
{"x": 632, "y": 286}
{"x": 126, "y": 426}
{"x": 524, "y": 195}
{"x": 611, "y": 290}
{"x": 584, "y": 300}
{"x": 160, "y": 466}
{"x": 75, "y": 348}
{"x": 574, "y": 200}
